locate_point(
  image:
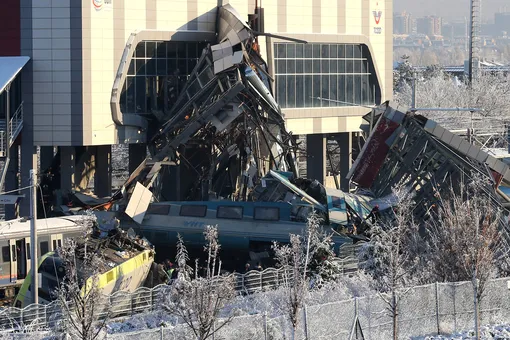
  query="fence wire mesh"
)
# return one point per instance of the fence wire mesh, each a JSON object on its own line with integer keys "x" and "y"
{"x": 441, "y": 308}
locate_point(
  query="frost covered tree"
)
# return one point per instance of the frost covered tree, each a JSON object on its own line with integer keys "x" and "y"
{"x": 84, "y": 309}
{"x": 199, "y": 302}
{"x": 464, "y": 239}
{"x": 306, "y": 256}
{"x": 436, "y": 89}
{"x": 390, "y": 256}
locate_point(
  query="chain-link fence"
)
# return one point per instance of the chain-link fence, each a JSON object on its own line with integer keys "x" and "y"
{"x": 441, "y": 308}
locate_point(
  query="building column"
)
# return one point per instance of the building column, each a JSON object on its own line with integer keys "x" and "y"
{"x": 46, "y": 157}
{"x": 103, "y": 174}
{"x": 11, "y": 182}
{"x": 344, "y": 141}
{"x": 67, "y": 169}
{"x": 85, "y": 166}
{"x": 137, "y": 153}
{"x": 316, "y": 157}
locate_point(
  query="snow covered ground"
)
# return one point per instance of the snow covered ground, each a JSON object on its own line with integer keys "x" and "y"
{"x": 486, "y": 332}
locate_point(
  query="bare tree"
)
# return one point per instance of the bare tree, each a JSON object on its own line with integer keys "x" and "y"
{"x": 199, "y": 302}
{"x": 464, "y": 239}
{"x": 390, "y": 256}
{"x": 488, "y": 92}
{"x": 307, "y": 255}
{"x": 78, "y": 295}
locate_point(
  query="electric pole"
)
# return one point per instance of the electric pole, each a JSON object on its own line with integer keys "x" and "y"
{"x": 33, "y": 236}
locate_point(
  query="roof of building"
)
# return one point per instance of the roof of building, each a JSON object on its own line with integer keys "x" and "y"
{"x": 9, "y": 69}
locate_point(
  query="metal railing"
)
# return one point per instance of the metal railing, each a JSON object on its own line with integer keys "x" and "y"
{"x": 121, "y": 304}
{"x": 438, "y": 308}
{"x": 15, "y": 127}
{"x": 16, "y": 124}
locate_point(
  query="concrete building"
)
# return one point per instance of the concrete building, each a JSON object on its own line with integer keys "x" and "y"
{"x": 97, "y": 67}
{"x": 429, "y": 25}
{"x": 402, "y": 23}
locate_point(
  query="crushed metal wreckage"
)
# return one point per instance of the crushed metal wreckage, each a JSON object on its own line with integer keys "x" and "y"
{"x": 124, "y": 260}
{"x": 224, "y": 139}
{"x": 225, "y": 129}
{"x": 407, "y": 148}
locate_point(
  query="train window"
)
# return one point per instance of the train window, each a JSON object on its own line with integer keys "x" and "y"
{"x": 193, "y": 210}
{"x": 266, "y": 214}
{"x": 230, "y": 212}
{"x": 13, "y": 251}
{"x": 44, "y": 247}
{"x": 54, "y": 244}
{"x": 59, "y": 243}
{"x": 29, "y": 256}
{"x": 6, "y": 254}
{"x": 338, "y": 202}
{"x": 158, "y": 209}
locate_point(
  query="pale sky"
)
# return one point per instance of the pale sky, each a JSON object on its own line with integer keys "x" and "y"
{"x": 449, "y": 9}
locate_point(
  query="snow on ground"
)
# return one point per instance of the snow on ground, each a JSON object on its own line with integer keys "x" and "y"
{"x": 272, "y": 302}
{"x": 486, "y": 332}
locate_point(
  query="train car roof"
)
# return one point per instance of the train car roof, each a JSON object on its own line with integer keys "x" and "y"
{"x": 20, "y": 226}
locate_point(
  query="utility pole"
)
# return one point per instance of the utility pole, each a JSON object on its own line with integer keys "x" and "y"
{"x": 33, "y": 236}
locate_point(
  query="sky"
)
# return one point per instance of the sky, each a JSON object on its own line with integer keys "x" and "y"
{"x": 449, "y": 9}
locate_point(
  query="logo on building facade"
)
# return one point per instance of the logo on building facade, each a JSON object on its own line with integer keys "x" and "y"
{"x": 377, "y": 16}
{"x": 100, "y": 4}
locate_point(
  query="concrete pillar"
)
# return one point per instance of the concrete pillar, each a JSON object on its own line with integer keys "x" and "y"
{"x": 344, "y": 141}
{"x": 67, "y": 169}
{"x": 316, "y": 157}
{"x": 45, "y": 157}
{"x": 85, "y": 166}
{"x": 11, "y": 182}
{"x": 137, "y": 153}
{"x": 103, "y": 174}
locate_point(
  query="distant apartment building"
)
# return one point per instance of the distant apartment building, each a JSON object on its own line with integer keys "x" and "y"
{"x": 502, "y": 22}
{"x": 430, "y": 25}
{"x": 402, "y": 23}
{"x": 448, "y": 31}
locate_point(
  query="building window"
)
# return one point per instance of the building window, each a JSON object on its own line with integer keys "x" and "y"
{"x": 157, "y": 73}
{"x": 266, "y": 214}
{"x": 158, "y": 209}
{"x": 342, "y": 73}
{"x": 193, "y": 210}
{"x": 235, "y": 213}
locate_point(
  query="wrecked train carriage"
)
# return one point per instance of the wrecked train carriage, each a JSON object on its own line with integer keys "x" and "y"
{"x": 123, "y": 263}
{"x": 409, "y": 149}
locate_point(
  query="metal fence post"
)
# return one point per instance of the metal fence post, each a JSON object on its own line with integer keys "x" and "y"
{"x": 131, "y": 303}
{"x": 265, "y": 325}
{"x": 305, "y": 315}
{"x": 437, "y": 307}
{"x": 161, "y": 332}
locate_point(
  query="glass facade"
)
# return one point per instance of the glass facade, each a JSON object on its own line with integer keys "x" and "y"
{"x": 340, "y": 72}
{"x": 157, "y": 73}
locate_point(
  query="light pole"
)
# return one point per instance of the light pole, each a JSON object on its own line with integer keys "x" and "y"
{"x": 33, "y": 236}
